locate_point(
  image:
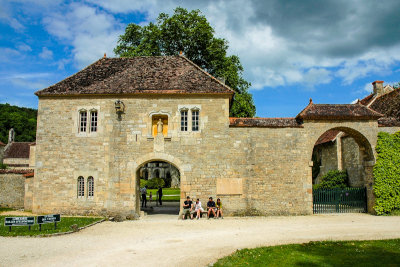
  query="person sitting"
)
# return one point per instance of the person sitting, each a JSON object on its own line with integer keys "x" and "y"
{"x": 187, "y": 208}
{"x": 219, "y": 208}
{"x": 211, "y": 208}
{"x": 198, "y": 209}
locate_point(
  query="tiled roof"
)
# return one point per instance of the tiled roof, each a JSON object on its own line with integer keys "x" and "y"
{"x": 328, "y": 136}
{"x": 139, "y": 75}
{"x": 336, "y": 111}
{"x": 388, "y": 104}
{"x": 366, "y": 100}
{"x": 17, "y": 150}
{"x": 264, "y": 122}
{"x": 388, "y": 122}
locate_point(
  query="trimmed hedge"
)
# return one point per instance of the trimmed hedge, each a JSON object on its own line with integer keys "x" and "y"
{"x": 387, "y": 173}
{"x": 333, "y": 179}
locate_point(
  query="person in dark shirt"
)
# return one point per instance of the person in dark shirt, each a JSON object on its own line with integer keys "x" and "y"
{"x": 159, "y": 193}
{"x": 187, "y": 208}
{"x": 211, "y": 208}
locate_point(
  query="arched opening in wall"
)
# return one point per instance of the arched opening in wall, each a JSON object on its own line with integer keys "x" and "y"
{"x": 162, "y": 179}
{"x": 342, "y": 171}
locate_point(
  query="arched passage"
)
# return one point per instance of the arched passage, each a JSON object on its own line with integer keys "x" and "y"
{"x": 164, "y": 164}
{"x": 344, "y": 148}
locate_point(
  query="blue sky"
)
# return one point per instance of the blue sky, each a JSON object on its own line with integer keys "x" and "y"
{"x": 329, "y": 51}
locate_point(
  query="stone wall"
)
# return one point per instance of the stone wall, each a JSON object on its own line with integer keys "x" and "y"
{"x": 17, "y": 163}
{"x": 28, "y": 193}
{"x": 253, "y": 170}
{"x": 12, "y": 190}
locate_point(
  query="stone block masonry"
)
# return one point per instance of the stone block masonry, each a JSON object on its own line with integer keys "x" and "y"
{"x": 12, "y": 190}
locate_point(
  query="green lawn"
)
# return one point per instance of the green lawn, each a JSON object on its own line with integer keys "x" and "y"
{"x": 166, "y": 191}
{"x": 63, "y": 226}
{"x": 5, "y": 209}
{"x": 346, "y": 253}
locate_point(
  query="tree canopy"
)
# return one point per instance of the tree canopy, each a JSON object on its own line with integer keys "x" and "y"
{"x": 23, "y": 120}
{"x": 190, "y": 33}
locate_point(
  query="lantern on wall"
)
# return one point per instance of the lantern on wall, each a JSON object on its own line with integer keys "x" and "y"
{"x": 119, "y": 108}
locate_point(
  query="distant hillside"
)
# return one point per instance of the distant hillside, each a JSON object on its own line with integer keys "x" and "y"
{"x": 23, "y": 120}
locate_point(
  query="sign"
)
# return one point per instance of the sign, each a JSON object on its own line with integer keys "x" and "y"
{"x": 49, "y": 218}
{"x": 19, "y": 221}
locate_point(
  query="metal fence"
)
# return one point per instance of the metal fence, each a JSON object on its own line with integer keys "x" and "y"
{"x": 341, "y": 200}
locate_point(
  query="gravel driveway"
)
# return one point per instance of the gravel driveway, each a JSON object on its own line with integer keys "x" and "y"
{"x": 162, "y": 240}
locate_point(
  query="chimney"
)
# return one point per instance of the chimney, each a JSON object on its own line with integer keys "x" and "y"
{"x": 11, "y": 136}
{"x": 378, "y": 87}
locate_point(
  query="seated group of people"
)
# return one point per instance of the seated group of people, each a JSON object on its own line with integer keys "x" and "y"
{"x": 190, "y": 207}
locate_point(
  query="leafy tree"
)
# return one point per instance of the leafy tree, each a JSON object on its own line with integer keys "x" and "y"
{"x": 190, "y": 33}
{"x": 23, "y": 120}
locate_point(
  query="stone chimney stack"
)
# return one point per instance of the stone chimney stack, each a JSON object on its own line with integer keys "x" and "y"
{"x": 378, "y": 87}
{"x": 11, "y": 136}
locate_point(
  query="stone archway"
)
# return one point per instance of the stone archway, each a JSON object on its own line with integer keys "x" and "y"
{"x": 134, "y": 167}
{"x": 366, "y": 157}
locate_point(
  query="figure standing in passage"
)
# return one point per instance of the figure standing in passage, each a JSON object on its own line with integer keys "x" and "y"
{"x": 143, "y": 191}
{"x": 159, "y": 193}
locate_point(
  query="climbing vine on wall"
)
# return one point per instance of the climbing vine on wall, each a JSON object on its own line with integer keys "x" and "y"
{"x": 387, "y": 173}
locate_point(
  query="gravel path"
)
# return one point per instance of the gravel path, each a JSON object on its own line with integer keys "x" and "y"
{"x": 162, "y": 240}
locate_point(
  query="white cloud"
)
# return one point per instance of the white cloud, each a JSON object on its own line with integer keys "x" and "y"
{"x": 24, "y": 47}
{"x": 89, "y": 31}
{"x": 278, "y": 44}
{"x": 46, "y": 53}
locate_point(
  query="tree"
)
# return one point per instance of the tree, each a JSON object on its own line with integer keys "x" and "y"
{"x": 190, "y": 33}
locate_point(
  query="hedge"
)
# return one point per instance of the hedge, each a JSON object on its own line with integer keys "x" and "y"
{"x": 333, "y": 179}
{"x": 387, "y": 173}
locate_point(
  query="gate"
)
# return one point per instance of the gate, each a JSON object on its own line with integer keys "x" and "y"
{"x": 340, "y": 200}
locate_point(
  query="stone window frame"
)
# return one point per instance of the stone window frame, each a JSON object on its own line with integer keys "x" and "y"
{"x": 90, "y": 187}
{"x": 93, "y": 120}
{"x": 184, "y": 125}
{"x": 80, "y": 187}
{"x": 190, "y": 108}
{"x": 77, "y": 121}
{"x": 82, "y": 125}
{"x": 198, "y": 119}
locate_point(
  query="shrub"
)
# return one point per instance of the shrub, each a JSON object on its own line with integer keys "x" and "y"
{"x": 387, "y": 173}
{"x": 143, "y": 183}
{"x": 155, "y": 183}
{"x": 3, "y": 166}
{"x": 333, "y": 179}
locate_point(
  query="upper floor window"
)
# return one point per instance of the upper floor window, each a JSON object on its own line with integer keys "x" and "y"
{"x": 195, "y": 119}
{"x": 81, "y": 186}
{"x": 90, "y": 184}
{"x": 93, "y": 121}
{"x": 82, "y": 120}
{"x": 184, "y": 120}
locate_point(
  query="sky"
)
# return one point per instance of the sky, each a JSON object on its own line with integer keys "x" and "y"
{"x": 330, "y": 51}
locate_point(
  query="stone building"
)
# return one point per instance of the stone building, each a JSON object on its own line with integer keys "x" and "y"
{"x": 101, "y": 127}
{"x": 16, "y": 154}
{"x": 336, "y": 150}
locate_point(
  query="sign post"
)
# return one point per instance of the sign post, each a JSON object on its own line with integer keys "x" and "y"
{"x": 19, "y": 221}
{"x": 53, "y": 218}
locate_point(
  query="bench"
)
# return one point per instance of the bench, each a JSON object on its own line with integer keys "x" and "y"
{"x": 193, "y": 212}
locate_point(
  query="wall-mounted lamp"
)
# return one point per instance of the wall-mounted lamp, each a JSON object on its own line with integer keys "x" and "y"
{"x": 119, "y": 108}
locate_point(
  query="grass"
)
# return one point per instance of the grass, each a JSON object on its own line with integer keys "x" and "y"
{"x": 343, "y": 253}
{"x": 5, "y": 209}
{"x": 63, "y": 226}
{"x": 394, "y": 213}
{"x": 166, "y": 191}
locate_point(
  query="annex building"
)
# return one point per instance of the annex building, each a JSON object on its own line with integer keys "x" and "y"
{"x": 101, "y": 129}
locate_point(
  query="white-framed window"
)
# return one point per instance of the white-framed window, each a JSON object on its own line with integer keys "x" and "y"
{"x": 195, "y": 119}
{"x": 93, "y": 121}
{"x": 184, "y": 120}
{"x": 90, "y": 185}
{"x": 81, "y": 187}
{"x": 82, "y": 121}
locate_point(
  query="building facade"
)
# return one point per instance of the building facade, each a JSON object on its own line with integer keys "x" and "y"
{"x": 99, "y": 128}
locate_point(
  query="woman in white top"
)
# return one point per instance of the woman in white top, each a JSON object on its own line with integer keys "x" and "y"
{"x": 198, "y": 209}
